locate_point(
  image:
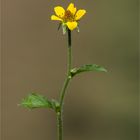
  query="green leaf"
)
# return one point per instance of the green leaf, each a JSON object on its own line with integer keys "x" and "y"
{"x": 87, "y": 68}
{"x": 34, "y": 100}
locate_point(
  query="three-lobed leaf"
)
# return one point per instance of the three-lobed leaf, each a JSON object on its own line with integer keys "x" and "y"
{"x": 36, "y": 101}
{"x": 87, "y": 68}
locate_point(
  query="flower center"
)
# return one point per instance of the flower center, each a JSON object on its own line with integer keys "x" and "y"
{"x": 68, "y": 16}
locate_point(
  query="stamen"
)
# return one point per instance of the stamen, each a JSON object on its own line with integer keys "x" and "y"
{"x": 68, "y": 16}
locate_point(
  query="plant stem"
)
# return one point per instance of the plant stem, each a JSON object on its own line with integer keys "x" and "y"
{"x": 68, "y": 78}
{"x": 59, "y": 125}
{"x": 63, "y": 91}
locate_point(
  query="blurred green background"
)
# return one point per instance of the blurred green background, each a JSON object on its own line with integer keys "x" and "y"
{"x": 98, "y": 106}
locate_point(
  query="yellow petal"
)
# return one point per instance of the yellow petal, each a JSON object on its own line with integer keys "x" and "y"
{"x": 53, "y": 17}
{"x": 72, "y": 25}
{"x": 72, "y": 8}
{"x": 80, "y": 14}
{"x": 60, "y": 12}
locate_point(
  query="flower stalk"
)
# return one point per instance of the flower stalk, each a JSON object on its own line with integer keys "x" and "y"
{"x": 64, "y": 88}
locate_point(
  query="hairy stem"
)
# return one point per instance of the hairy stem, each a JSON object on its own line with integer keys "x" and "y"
{"x": 63, "y": 91}
{"x": 59, "y": 125}
{"x": 68, "y": 78}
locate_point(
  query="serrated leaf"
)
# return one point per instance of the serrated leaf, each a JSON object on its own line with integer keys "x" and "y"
{"x": 87, "y": 68}
{"x": 34, "y": 100}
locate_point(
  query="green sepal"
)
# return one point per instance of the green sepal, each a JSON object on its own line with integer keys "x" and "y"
{"x": 59, "y": 26}
{"x": 64, "y": 28}
{"x": 78, "y": 29}
{"x": 87, "y": 68}
{"x": 34, "y": 100}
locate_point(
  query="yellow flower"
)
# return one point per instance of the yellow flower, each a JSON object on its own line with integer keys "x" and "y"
{"x": 69, "y": 17}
